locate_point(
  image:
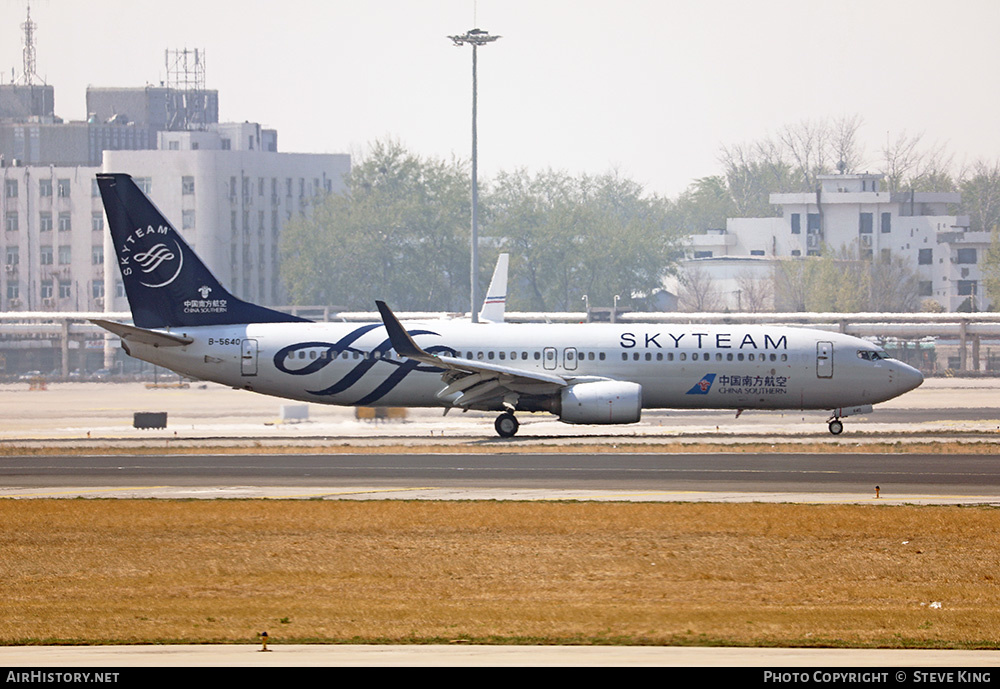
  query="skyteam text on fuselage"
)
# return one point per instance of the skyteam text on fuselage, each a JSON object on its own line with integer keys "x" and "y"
{"x": 186, "y": 321}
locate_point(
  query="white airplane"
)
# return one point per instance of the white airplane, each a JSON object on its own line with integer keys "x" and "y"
{"x": 186, "y": 321}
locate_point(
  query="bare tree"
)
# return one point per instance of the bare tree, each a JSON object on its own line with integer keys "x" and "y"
{"x": 894, "y": 286}
{"x": 756, "y": 292}
{"x": 697, "y": 293}
{"x": 844, "y": 145}
{"x": 907, "y": 164}
{"x": 808, "y": 144}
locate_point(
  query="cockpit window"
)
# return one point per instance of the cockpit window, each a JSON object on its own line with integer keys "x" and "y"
{"x": 869, "y": 355}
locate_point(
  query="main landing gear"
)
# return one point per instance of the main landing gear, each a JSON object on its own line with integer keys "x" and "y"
{"x": 506, "y": 425}
{"x": 836, "y": 426}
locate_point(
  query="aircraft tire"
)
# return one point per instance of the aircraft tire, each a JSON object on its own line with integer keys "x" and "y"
{"x": 506, "y": 425}
{"x": 836, "y": 427}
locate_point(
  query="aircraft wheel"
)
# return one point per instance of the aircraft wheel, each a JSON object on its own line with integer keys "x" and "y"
{"x": 836, "y": 427}
{"x": 506, "y": 425}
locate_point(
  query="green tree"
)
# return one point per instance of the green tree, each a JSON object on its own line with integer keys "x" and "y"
{"x": 981, "y": 196}
{"x": 705, "y": 205}
{"x": 991, "y": 271}
{"x": 400, "y": 232}
{"x": 575, "y": 236}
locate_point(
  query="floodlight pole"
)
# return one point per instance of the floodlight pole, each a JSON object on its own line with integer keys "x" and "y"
{"x": 475, "y": 38}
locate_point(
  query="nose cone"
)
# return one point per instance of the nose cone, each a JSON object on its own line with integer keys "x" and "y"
{"x": 907, "y": 378}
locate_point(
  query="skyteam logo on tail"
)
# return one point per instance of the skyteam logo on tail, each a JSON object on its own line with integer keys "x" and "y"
{"x": 151, "y": 254}
{"x": 702, "y": 386}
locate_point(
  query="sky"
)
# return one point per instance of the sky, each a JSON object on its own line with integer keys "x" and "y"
{"x": 650, "y": 89}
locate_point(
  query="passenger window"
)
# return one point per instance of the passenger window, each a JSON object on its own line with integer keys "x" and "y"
{"x": 635, "y": 357}
{"x": 503, "y": 355}
{"x": 694, "y": 356}
{"x": 683, "y": 356}
{"x": 670, "y": 356}
{"x": 659, "y": 356}
{"x": 739, "y": 357}
{"x": 729, "y": 356}
{"x": 624, "y": 356}
{"x": 601, "y": 357}
{"x": 649, "y": 356}
{"x": 489, "y": 355}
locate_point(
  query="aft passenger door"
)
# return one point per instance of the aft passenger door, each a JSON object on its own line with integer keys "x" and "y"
{"x": 248, "y": 358}
{"x": 824, "y": 360}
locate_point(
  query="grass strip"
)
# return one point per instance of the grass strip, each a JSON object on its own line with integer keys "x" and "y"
{"x": 222, "y": 571}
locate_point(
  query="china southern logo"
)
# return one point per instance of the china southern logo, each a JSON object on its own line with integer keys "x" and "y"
{"x": 702, "y": 386}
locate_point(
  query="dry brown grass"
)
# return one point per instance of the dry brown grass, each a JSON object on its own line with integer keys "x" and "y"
{"x": 128, "y": 571}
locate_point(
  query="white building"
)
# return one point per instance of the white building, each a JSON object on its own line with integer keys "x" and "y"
{"x": 227, "y": 189}
{"x": 851, "y": 212}
{"x": 53, "y": 239}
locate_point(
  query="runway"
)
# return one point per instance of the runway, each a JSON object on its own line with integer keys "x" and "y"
{"x": 726, "y": 477}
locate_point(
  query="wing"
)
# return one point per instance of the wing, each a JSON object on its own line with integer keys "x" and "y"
{"x": 470, "y": 382}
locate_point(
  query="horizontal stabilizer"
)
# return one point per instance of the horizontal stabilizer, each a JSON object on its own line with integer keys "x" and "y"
{"x": 130, "y": 333}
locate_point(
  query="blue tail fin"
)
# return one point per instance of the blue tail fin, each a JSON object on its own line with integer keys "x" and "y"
{"x": 167, "y": 285}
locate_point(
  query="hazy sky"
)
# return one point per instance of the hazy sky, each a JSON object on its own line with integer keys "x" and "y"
{"x": 652, "y": 88}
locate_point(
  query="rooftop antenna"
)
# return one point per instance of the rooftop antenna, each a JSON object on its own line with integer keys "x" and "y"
{"x": 186, "y": 75}
{"x": 28, "y": 53}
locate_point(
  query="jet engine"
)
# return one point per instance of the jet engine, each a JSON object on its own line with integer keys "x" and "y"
{"x": 603, "y": 401}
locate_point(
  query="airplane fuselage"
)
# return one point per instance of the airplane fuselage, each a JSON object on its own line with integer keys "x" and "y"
{"x": 677, "y": 367}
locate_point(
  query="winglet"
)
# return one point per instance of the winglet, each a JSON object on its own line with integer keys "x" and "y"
{"x": 400, "y": 339}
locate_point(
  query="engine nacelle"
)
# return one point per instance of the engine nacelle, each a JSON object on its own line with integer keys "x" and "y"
{"x": 603, "y": 401}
